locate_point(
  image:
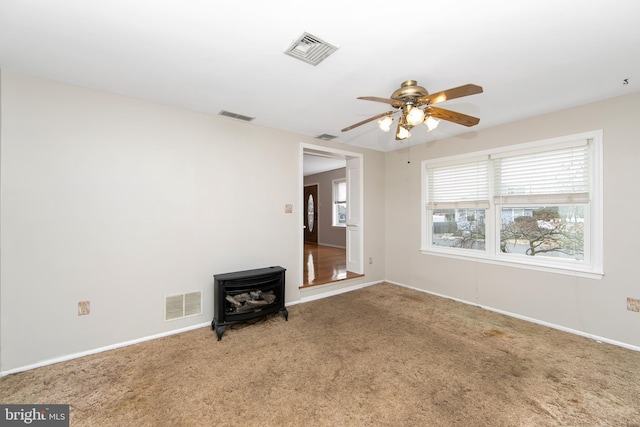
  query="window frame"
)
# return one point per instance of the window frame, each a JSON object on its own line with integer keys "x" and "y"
{"x": 335, "y": 184}
{"x": 591, "y": 266}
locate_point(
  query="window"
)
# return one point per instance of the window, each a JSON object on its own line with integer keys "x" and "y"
{"x": 535, "y": 205}
{"x": 339, "y": 202}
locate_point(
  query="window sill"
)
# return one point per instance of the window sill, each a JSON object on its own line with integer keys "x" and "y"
{"x": 548, "y": 268}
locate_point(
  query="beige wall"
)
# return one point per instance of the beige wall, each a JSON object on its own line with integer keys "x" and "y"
{"x": 587, "y": 306}
{"x": 121, "y": 202}
{"x": 327, "y": 233}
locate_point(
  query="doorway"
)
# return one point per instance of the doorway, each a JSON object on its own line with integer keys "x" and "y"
{"x": 325, "y": 261}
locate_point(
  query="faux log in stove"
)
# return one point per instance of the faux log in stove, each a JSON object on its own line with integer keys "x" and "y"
{"x": 244, "y": 295}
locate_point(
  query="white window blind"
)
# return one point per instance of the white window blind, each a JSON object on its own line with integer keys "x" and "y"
{"x": 340, "y": 195}
{"x": 461, "y": 185}
{"x": 556, "y": 176}
{"x": 339, "y": 202}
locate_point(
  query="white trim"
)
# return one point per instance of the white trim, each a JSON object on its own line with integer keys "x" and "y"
{"x": 596, "y": 233}
{"x": 101, "y": 349}
{"x": 566, "y": 139}
{"x": 596, "y": 338}
{"x": 319, "y": 150}
{"x": 332, "y": 289}
{"x": 355, "y": 220}
{"x": 331, "y": 245}
{"x": 479, "y": 256}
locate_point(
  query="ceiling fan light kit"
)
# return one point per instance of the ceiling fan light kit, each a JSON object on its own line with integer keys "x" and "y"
{"x": 431, "y": 123}
{"x": 385, "y": 123}
{"x": 403, "y": 133}
{"x": 415, "y": 104}
{"x": 415, "y": 116}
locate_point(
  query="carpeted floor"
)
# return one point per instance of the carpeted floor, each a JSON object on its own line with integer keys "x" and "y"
{"x": 380, "y": 356}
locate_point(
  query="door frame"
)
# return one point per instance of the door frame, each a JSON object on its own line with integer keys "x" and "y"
{"x": 319, "y": 150}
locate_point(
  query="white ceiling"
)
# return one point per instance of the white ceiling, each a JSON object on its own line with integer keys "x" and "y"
{"x": 531, "y": 57}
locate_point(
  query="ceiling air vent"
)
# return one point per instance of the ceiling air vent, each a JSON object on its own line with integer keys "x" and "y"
{"x": 326, "y": 137}
{"x": 310, "y": 49}
{"x": 235, "y": 116}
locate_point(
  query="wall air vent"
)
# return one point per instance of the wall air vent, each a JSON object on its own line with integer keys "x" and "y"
{"x": 310, "y": 49}
{"x": 326, "y": 137}
{"x": 225, "y": 113}
{"x": 182, "y": 305}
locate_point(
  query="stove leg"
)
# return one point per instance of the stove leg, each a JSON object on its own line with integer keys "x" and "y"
{"x": 218, "y": 328}
{"x": 286, "y": 314}
{"x": 220, "y": 331}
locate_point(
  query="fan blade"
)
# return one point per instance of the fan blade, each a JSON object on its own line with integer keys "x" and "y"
{"x": 396, "y": 103}
{"x": 456, "y": 92}
{"x": 370, "y": 119}
{"x": 452, "y": 116}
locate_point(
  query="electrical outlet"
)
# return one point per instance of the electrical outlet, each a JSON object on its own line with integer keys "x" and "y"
{"x": 84, "y": 308}
{"x": 370, "y": 260}
{"x": 633, "y": 304}
{"x": 288, "y": 208}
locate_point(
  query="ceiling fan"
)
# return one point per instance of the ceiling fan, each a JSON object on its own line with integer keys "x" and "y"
{"x": 416, "y": 106}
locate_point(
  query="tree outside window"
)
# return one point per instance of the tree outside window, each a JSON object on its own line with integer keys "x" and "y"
{"x": 556, "y": 231}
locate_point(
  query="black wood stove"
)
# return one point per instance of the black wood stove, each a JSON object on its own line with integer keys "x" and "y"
{"x": 244, "y": 295}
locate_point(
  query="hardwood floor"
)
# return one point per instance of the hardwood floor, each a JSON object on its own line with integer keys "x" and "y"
{"x": 325, "y": 264}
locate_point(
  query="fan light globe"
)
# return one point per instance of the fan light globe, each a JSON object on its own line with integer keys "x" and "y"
{"x": 385, "y": 123}
{"x": 431, "y": 123}
{"x": 403, "y": 133}
{"x": 415, "y": 116}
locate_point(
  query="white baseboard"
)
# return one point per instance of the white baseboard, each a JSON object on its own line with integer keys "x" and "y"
{"x": 330, "y": 289}
{"x": 319, "y": 292}
{"x": 100, "y": 350}
{"x": 528, "y": 319}
{"x": 332, "y": 245}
